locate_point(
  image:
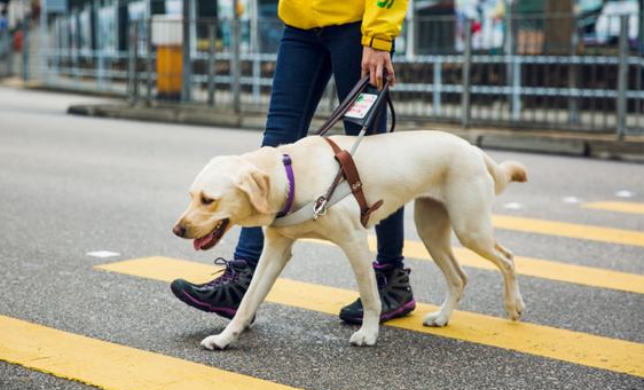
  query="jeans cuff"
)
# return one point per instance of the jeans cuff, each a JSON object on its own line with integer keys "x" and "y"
{"x": 396, "y": 261}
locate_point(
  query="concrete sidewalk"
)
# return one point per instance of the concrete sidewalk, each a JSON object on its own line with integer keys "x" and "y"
{"x": 605, "y": 146}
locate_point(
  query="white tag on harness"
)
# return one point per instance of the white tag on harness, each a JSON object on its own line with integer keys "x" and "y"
{"x": 361, "y": 106}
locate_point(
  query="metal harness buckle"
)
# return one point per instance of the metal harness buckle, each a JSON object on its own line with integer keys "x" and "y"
{"x": 319, "y": 208}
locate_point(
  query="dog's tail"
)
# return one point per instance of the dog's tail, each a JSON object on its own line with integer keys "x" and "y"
{"x": 505, "y": 173}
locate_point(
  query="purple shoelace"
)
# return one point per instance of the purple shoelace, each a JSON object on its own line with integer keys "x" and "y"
{"x": 230, "y": 273}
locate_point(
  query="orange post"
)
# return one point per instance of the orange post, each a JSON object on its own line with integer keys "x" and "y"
{"x": 169, "y": 72}
{"x": 167, "y": 37}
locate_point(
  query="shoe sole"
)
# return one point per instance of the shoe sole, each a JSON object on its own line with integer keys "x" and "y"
{"x": 402, "y": 311}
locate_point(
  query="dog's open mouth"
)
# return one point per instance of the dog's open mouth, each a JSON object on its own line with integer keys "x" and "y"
{"x": 211, "y": 239}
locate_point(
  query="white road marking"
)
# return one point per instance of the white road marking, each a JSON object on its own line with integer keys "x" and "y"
{"x": 103, "y": 254}
{"x": 513, "y": 206}
{"x": 624, "y": 194}
{"x": 571, "y": 200}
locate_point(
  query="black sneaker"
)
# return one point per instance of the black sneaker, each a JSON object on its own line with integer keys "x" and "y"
{"x": 221, "y": 295}
{"x": 395, "y": 294}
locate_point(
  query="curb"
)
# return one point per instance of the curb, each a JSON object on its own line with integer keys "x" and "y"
{"x": 18, "y": 83}
{"x": 570, "y": 147}
{"x": 601, "y": 146}
{"x": 171, "y": 114}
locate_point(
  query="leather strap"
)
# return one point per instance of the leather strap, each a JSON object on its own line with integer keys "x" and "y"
{"x": 351, "y": 175}
{"x": 334, "y": 146}
{"x": 352, "y": 96}
{"x": 344, "y": 106}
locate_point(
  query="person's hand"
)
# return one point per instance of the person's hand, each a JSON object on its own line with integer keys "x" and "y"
{"x": 374, "y": 62}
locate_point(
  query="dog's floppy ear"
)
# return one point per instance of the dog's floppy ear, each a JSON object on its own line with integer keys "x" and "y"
{"x": 256, "y": 185}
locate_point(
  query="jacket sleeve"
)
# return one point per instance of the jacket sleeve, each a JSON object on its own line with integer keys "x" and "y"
{"x": 382, "y": 22}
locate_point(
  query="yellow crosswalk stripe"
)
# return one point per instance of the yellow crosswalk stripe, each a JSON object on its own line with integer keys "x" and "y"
{"x": 528, "y": 266}
{"x": 564, "y": 345}
{"x": 111, "y": 366}
{"x": 569, "y": 230}
{"x": 620, "y": 207}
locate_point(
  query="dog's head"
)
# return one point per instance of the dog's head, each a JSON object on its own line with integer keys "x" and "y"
{"x": 226, "y": 192}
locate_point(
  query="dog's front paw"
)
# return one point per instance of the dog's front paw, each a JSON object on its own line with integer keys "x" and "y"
{"x": 363, "y": 338}
{"x": 436, "y": 319}
{"x": 515, "y": 308}
{"x": 217, "y": 342}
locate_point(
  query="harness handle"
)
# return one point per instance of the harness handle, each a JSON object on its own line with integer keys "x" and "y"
{"x": 352, "y": 96}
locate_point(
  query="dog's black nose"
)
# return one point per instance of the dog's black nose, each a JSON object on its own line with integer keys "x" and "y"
{"x": 179, "y": 230}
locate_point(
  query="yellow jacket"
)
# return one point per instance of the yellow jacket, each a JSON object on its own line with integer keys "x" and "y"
{"x": 381, "y": 19}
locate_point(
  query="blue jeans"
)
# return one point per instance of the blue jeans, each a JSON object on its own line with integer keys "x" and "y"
{"x": 305, "y": 62}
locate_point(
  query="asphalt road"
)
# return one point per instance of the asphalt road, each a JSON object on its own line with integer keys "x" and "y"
{"x": 74, "y": 185}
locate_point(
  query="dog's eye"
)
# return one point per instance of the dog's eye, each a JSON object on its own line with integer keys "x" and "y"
{"x": 205, "y": 200}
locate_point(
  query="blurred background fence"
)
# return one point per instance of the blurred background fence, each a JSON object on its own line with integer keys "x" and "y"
{"x": 555, "y": 70}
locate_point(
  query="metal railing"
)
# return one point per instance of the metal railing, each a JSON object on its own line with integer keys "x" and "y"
{"x": 535, "y": 72}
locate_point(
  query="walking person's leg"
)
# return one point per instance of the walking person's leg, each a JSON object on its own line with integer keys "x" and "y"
{"x": 345, "y": 47}
{"x": 302, "y": 72}
{"x": 301, "y": 75}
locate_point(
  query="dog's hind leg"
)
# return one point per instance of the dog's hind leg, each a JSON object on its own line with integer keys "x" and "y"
{"x": 505, "y": 251}
{"x": 434, "y": 228}
{"x": 472, "y": 223}
{"x": 356, "y": 248}
{"x": 277, "y": 252}
{"x": 513, "y": 301}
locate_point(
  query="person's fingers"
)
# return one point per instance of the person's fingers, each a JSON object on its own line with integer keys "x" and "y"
{"x": 364, "y": 67}
{"x": 379, "y": 76}
{"x": 390, "y": 73}
{"x": 364, "y": 64}
{"x": 373, "y": 73}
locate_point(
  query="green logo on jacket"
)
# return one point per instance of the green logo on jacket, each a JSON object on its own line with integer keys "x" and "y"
{"x": 385, "y": 3}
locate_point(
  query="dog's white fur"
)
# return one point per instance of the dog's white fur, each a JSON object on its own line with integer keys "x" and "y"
{"x": 453, "y": 184}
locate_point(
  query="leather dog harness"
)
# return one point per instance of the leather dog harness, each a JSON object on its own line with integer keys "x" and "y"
{"x": 352, "y": 184}
{"x": 350, "y": 174}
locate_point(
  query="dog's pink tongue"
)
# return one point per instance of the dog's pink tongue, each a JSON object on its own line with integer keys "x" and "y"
{"x": 203, "y": 241}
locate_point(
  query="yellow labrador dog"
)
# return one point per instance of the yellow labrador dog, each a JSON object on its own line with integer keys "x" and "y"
{"x": 452, "y": 182}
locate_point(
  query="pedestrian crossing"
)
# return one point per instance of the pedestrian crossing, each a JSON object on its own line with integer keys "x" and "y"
{"x": 528, "y": 266}
{"x": 574, "y": 347}
{"x": 112, "y": 366}
{"x": 620, "y": 207}
{"x": 539, "y": 268}
{"x": 119, "y": 367}
{"x": 569, "y": 230}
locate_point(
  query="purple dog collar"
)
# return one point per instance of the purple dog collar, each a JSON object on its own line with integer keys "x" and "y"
{"x": 286, "y": 160}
